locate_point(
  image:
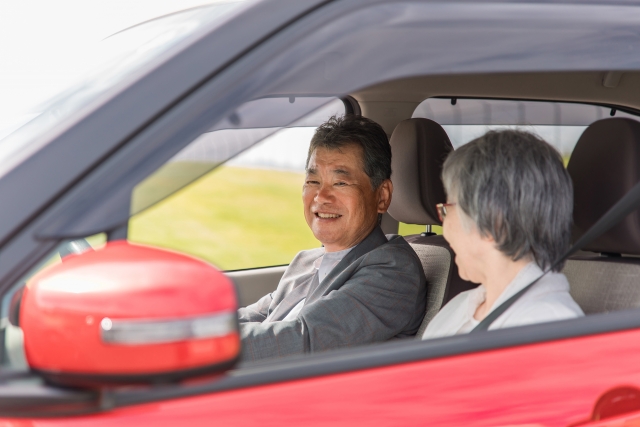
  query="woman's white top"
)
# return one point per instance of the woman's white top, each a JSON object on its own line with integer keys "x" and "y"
{"x": 546, "y": 301}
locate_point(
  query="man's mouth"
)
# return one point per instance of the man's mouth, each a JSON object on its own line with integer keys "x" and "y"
{"x": 327, "y": 215}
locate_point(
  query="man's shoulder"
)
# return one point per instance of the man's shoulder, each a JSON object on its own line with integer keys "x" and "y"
{"x": 397, "y": 240}
{"x": 308, "y": 255}
{"x": 397, "y": 246}
{"x": 395, "y": 251}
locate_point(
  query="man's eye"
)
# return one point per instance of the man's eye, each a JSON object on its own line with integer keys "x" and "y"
{"x": 312, "y": 182}
{"x": 340, "y": 184}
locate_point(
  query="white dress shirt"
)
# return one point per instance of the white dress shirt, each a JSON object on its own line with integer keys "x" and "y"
{"x": 546, "y": 301}
{"x": 323, "y": 266}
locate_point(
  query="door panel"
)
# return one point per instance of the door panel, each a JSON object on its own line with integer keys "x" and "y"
{"x": 255, "y": 283}
{"x": 548, "y": 384}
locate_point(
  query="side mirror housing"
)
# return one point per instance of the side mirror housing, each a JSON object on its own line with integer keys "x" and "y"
{"x": 129, "y": 314}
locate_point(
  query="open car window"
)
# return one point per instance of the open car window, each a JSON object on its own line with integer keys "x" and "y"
{"x": 247, "y": 212}
{"x": 278, "y": 119}
{"x": 239, "y": 182}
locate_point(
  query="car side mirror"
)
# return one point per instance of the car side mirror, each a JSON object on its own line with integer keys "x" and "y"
{"x": 129, "y": 314}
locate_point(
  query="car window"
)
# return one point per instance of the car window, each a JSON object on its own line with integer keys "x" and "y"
{"x": 558, "y": 123}
{"x": 246, "y": 213}
{"x": 240, "y": 181}
{"x": 409, "y": 229}
{"x": 464, "y": 119}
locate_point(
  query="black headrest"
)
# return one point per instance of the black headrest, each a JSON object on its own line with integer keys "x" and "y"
{"x": 604, "y": 165}
{"x": 419, "y": 148}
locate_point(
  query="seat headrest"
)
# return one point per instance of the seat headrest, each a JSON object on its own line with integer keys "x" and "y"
{"x": 419, "y": 148}
{"x": 604, "y": 166}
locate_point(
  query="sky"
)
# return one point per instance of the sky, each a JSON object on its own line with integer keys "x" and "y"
{"x": 40, "y": 38}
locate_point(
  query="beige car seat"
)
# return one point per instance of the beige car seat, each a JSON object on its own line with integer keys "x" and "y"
{"x": 419, "y": 148}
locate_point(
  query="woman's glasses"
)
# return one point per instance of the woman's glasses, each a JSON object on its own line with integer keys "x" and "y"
{"x": 442, "y": 210}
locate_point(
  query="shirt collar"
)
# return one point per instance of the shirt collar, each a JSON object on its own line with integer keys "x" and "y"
{"x": 331, "y": 256}
{"x": 525, "y": 276}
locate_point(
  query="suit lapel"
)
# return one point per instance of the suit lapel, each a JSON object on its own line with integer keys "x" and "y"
{"x": 372, "y": 241}
{"x": 293, "y": 298}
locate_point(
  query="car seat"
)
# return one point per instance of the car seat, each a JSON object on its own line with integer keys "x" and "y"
{"x": 419, "y": 148}
{"x": 604, "y": 165}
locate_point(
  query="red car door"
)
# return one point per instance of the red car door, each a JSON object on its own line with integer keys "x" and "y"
{"x": 557, "y": 383}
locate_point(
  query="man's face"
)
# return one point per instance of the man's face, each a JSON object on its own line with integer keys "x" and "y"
{"x": 340, "y": 205}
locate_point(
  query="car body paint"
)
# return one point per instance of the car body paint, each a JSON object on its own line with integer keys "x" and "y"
{"x": 549, "y": 384}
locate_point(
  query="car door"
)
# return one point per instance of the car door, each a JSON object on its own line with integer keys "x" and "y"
{"x": 551, "y": 374}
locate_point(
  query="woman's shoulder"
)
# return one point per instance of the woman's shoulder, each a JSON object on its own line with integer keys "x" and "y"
{"x": 452, "y": 316}
{"x": 548, "y": 300}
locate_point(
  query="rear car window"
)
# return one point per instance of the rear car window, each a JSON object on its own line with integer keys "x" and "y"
{"x": 558, "y": 123}
{"x": 464, "y": 119}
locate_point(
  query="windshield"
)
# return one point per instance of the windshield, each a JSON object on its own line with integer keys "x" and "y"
{"x": 107, "y": 68}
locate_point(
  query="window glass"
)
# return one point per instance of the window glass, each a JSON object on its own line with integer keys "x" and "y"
{"x": 113, "y": 61}
{"x": 558, "y": 123}
{"x": 409, "y": 229}
{"x": 244, "y": 214}
{"x": 464, "y": 119}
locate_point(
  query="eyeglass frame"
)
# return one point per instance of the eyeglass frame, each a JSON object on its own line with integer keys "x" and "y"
{"x": 441, "y": 208}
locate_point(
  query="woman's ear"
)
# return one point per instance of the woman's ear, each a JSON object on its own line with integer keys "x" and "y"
{"x": 487, "y": 238}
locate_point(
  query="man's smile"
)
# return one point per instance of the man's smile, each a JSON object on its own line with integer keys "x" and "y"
{"x": 323, "y": 215}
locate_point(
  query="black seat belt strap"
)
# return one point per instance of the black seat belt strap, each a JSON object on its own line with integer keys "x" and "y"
{"x": 627, "y": 204}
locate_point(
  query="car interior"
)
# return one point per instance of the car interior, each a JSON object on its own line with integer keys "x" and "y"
{"x": 602, "y": 165}
{"x": 418, "y": 113}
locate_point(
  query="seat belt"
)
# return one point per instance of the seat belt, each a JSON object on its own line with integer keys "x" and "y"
{"x": 627, "y": 204}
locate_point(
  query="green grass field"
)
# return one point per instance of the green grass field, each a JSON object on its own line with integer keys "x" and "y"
{"x": 233, "y": 217}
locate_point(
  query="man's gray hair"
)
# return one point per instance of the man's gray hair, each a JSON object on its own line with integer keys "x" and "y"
{"x": 340, "y": 131}
{"x": 514, "y": 187}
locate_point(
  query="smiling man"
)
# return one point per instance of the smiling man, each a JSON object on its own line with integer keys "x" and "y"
{"x": 361, "y": 286}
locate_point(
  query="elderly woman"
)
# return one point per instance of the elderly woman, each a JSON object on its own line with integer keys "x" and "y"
{"x": 508, "y": 217}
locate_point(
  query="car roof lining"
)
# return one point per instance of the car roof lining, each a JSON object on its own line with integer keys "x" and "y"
{"x": 390, "y": 102}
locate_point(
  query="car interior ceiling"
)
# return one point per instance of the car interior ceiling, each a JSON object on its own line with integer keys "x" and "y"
{"x": 603, "y": 276}
{"x": 391, "y": 102}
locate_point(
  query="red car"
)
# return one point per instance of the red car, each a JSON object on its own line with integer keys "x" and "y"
{"x": 133, "y": 335}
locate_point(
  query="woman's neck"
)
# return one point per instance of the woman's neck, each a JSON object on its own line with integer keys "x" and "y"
{"x": 500, "y": 271}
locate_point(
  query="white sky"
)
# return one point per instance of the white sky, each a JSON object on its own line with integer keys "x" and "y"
{"x": 39, "y": 38}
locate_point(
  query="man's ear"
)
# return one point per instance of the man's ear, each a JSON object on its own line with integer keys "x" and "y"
{"x": 384, "y": 195}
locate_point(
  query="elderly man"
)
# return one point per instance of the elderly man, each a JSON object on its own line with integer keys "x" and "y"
{"x": 362, "y": 286}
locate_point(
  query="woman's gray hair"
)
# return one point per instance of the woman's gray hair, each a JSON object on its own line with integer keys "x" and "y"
{"x": 514, "y": 187}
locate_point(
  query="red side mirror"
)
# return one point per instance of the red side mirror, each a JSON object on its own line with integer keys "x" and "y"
{"x": 129, "y": 314}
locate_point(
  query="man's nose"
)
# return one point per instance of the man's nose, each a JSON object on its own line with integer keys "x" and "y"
{"x": 324, "y": 194}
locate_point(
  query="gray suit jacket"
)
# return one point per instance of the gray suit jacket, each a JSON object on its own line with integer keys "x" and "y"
{"x": 375, "y": 293}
